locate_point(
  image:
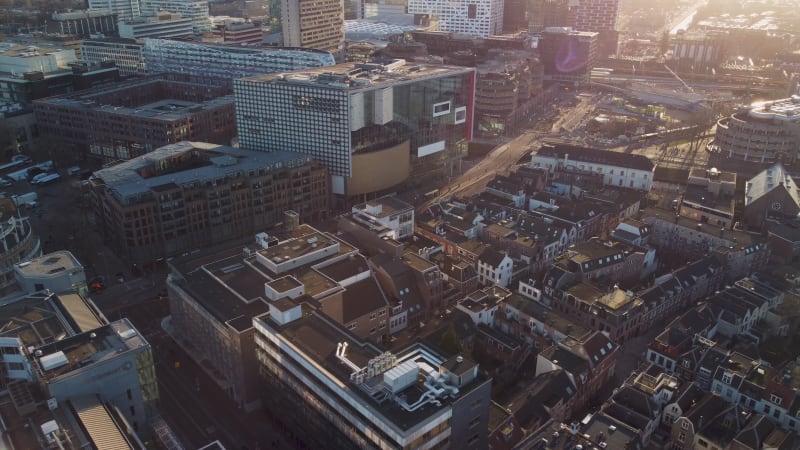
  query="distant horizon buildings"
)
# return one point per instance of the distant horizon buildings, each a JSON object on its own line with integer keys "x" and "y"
{"x": 160, "y": 25}
{"x": 313, "y": 24}
{"x": 766, "y": 132}
{"x": 600, "y": 16}
{"x": 372, "y": 125}
{"x": 568, "y": 55}
{"x": 227, "y": 61}
{"x": 482, "y": 18}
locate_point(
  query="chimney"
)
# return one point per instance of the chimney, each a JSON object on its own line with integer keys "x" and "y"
{"x": 291, "y": 220}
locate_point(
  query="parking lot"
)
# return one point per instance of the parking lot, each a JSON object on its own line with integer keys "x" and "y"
{"x": 62, "y": 217}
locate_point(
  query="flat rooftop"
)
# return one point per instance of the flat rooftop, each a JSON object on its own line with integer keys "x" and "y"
{"x": 383, "y": 207}
{"x": 126, "y": 179}
{"x": 785, "y": 109}
{"x": 101, "y": 344}
{"x": 35, "y": 320}
{"x": 231, "y": 286}
{"x": 317, "y": 339}
{"x": 358, "y": 77}
{"x": 51, "y": 264}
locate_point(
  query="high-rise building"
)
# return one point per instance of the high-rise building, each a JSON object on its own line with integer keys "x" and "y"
{"x": 372, "y": 125}
{"x": 313, "y": 23}
{"x": 227, "y": 61}
{"x": 123, "y": 9}
{"x": 567, "y": 55}
{"x": 599, "y": 16}
{"x": 197, "y": 10}
{"x": 547, "y": 13}
{"x": 479, "y": 18}
{"x": 161, "y": 25}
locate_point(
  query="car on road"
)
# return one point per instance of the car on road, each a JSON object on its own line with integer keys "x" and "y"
{"x": 25, "y": 159}
{"x": 6, "y": 183}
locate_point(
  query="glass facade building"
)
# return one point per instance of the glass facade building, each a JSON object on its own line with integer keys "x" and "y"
{"x": 227, "y": 61}
{"x": 370, "y": 124}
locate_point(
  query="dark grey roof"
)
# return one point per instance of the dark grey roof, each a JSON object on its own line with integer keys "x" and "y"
{"x": 639, "y": 162}
{"x": 492, "y": 257}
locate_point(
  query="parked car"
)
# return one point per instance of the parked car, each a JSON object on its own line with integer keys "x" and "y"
{"x": 5, "y": 183}
{"x": 22, "y": 158}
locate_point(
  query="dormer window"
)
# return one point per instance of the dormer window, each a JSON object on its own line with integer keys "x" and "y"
{"x": 727, "y": 377}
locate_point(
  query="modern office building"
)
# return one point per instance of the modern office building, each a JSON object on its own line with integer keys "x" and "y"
{"x": 568, "y": 55}
{"x": 68, "y": 351}
{"x": 163, "y": 24}
{"x": 698, "y": 52}
{"x": 346, "y": 393}
{"x": 127, "y": 54}
{"x": 482, "y": 18}
{"x": 372, "y": 125}
{"x": 30, "y": 71}
{"x": 193, "y": 195}
{"x": 123, "y": 9}
{"x": 313, "y": 24}
{"x": 766, "y": 132}
{"x": 196, "y": 10}
{"x": 546, "y": 14}
{"x": 228, "y": 61}
{"x": 131, "y": 118}
{"x": 599, "y": 16}
{"x": 83, "y": 23}
{"x": 19, "y": 242}
{"x": 112, "y": 361}
{"x": 214, "y": 295}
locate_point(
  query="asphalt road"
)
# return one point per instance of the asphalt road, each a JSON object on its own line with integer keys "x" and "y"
{"x": 506, "y": 155}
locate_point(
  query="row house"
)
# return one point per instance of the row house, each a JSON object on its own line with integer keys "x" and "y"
{"x": 403, "y": 290}
{"x": 668, "y": 350}
{"x": 482, "y": 308}
{"x": 737, "y": 310}
{"x": 587, "y": 217}
{"x": 530, "y": 239}
{"x": 608, "y": 262}
{"x": 680, "y": 238}
{"x": 623, "y": 313}
{"x": 640, "y": 401}
{"x": 508, "y": 189}
{"x": 494, "y": 268}
{"x": 622, "y": 204}
{"x": 632, "y": 232}
{"x": 712, "y": 423}
{"x": 760, "y": 388}
{"x": 460, "y": 276}
{"x": 589, "y": 363}
{"x": 535, "y": 324}
{"x": 549, "y": 396}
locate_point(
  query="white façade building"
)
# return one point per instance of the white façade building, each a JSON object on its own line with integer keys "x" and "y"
{"x": 481, "y": 18}
{"x": 617, "y": 169}
{"x": 126, "y": 54}
{"x": 193, "y": 9}
{"x": 227, "y": 61}
{"x": 163, "y": 25}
